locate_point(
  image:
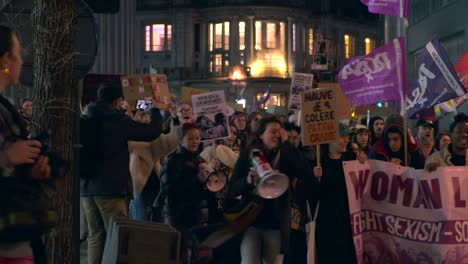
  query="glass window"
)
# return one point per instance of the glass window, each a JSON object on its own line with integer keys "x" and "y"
{"x": 158, "y": 37}
{"x": 218, "y": 63}
{"x": 169, "y": 37}
{"x": 148, "y": 38}
{"x": 349, "y": 46}
{"x": 258, "y": 35}
{"x": 210, "y": 37}
{"x": 369, "y": 45}
{"x": 226, "y": 35}
{"x": 311, "y": 41}
{"x": 294, "y": 37}
{"x": 271, "y": 35}
{"x": 275, "y": 99}
{"x": 218, "y": 35}
{"x": 242, "y": 35}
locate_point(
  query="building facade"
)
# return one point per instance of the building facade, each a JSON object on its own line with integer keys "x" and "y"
{"x": 203, "y": 39}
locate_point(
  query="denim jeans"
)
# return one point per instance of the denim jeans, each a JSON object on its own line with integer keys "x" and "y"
{"x": 98, "y": 211}
{"x": 260, "y": 244}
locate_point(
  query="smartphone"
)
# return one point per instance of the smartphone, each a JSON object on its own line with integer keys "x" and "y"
{"x": 144, "y": 104}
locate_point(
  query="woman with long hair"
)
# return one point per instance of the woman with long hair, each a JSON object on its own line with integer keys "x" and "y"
{"x": 253, "y": 122}
{"x": 21, "y": 166}
{"x": 267, "y": 235}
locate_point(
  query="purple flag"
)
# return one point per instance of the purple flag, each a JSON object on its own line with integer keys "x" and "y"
{"x": 437, "y": 80}
{"x": 379, "y": 76}
{"x": 397, "y": 8}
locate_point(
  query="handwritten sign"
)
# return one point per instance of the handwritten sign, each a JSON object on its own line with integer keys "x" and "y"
{"x": 319, "y": 118}
{"x": 300, "y": 82}
{"x": 398, "y": 212}
{"x": 211, "y": 115}
{"x": 144, "y": 86}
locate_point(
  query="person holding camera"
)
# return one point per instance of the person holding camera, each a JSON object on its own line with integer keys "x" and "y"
{"x": 21, "y": 166}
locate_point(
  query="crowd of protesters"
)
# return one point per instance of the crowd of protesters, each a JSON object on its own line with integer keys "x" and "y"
{"x": 171, "y": 170}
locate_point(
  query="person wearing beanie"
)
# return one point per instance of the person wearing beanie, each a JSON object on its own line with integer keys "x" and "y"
{"x": 239, "y": 119}
{"x": 425, "y": 137}
{"x": 376, "y": 127}
{"x": 391, "y": 148}
{"x": 361, "y": 139}
{"x": 104, "y": 194}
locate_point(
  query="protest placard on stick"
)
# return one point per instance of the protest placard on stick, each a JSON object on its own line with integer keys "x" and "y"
{"x": 211, "y": 115}
{"x": 300, "y": 82}
{"x": 142, "y": 86}
{"x": 319, "y": 118}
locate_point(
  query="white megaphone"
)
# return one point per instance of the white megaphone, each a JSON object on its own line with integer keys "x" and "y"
{"x": 272, "y": 184}
{"x": 214, "y": 180}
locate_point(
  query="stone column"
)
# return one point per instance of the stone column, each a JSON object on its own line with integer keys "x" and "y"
{"x": 288, "y": 46}
{"x": 249, "y": 40}
{"x": 234, "y": 55}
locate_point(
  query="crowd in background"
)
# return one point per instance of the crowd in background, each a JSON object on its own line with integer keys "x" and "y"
{"x": 170, "y": 170}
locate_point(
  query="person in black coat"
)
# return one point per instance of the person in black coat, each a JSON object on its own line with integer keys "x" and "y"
{"x": 267, "y": 236}
{"x": 183, "y": 197}
{"x": 104, "y": 194}
{"x": 334, "y": 239}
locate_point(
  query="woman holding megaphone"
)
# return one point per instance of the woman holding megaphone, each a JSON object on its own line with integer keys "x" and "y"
{"x": 260, "y": 176}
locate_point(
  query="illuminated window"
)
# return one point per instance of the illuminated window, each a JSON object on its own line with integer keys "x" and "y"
{"x": 210, "y": 37}
{"x": 349, "y": 46}
{"x": 158, "y": 37}
{"x": 218, "y": 63}
{"x": 369, "y": 45}
{"x": 218, "y": 35}
{"x": 242, "y": 35}
{"x": 226, "y": 35}
{"x": 271, "y": 35}
{"x": 148, "y": 38}
{"x": 311, "y": 41}
{"x": 294, "y": 37}
{"x": 258, "y": 35}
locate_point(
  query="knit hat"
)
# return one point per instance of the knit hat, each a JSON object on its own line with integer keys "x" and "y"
{"x": 109, "y": 93}
{"x": 237, "y": 115}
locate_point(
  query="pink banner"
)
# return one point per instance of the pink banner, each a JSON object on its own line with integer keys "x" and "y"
{"x": 403, "y": 215}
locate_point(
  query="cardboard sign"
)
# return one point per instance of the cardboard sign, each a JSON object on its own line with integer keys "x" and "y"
{"x": 188, "y": 92}
{"x": 300, "y": 82}
{"x": 144, "y": 86}
{"x": 211, "y": 115}
{"x": 319, "y": 119}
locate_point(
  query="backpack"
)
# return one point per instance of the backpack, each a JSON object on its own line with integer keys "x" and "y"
{"x": 90, "y": 141}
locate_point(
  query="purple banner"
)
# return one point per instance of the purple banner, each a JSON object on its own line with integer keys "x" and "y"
{"x": 437, "y": 80}
{"x": 397, "y": 8}
{"x": 379, "y": 76}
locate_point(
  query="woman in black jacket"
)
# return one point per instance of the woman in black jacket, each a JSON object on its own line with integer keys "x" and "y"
{"x": 267, "y": 236}
{"x": 183, "y": 195}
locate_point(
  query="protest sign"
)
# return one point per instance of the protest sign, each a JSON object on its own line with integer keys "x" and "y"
{"x": 142, "y": 86}
{"x": 319, "y": 120}
{"x": 210, "y": 111}
{"x": 437, "y": 80}
{"x": 379, "y": 76}
{"x": 187, "y": 93}
{"x": 300, "y": 82}
{"x": 398, "y": 8}
{"x": 400, "y": 215}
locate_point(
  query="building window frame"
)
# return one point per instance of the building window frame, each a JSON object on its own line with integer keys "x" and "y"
{"x": 151, "y": 40}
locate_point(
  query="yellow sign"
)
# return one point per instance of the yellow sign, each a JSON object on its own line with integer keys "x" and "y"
{"x": 187, "y": 93}
{"x": 142, "y": 86}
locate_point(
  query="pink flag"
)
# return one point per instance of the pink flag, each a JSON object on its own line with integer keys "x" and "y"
{"x": 397, "y": 8}
{"x": 380, "y": 76}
